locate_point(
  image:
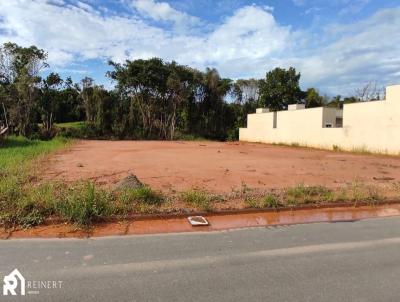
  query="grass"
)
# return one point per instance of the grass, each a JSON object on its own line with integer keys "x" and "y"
{"x": 144, "y": 194}
{"x": 75, "y": 125}
{"x": 302, "y": 194}
{"x": 142, "y": 200}
{"x": 21, "y": 204}
{"x": 361, "y": 193}
{"x": 268, "y": 201}
{"x": 25, "y": 203}
{"x": 81, "y": 203}
{"x": 73, "y": 130}
{"x": 199, "y": 199}
{"x": 84, "y": 204}
{"x": 17, "y": 151}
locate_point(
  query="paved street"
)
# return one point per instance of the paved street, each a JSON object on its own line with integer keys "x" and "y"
{"x": 358, "y": 261}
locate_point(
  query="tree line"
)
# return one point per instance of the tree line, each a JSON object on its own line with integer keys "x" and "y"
{"x": 152, "y": 99}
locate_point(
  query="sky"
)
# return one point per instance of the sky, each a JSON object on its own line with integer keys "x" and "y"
{"x": 337, "y": 45}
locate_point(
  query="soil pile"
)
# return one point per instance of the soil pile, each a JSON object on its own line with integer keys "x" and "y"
{"x": 129, "y": 182}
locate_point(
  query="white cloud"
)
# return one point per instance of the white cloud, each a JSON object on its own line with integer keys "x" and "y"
{"x": 245, "y": 44}
{"x": 162, "y": 11}
{"x": 75, "y": 32}
{"x": 364, "y": 51}
{"x": 251, "y": 32}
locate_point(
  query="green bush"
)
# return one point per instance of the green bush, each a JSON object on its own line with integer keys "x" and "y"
{"x": 70, "y": 132}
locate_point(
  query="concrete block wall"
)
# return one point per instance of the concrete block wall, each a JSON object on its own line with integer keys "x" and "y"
{"x": 370, "y": 126}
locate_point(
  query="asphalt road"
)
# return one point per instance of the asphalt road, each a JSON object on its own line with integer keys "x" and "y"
{"x": 358, "y": 261}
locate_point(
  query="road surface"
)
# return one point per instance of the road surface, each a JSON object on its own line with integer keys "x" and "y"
{"x": 357, "y": 261}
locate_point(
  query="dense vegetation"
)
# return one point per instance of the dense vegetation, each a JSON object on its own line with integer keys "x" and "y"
{"x": 152, "y": 99}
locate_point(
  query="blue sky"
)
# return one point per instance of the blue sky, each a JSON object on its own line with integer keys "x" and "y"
{"x": 337, "y": 45}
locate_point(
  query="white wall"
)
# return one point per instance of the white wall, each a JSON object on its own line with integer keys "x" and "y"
{"x": 372, "y": 126}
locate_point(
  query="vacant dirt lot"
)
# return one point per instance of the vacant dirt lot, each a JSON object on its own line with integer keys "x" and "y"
{"x": 216, "y": 167}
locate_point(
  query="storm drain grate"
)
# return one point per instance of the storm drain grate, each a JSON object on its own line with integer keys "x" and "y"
{"x": 197, "y": 220}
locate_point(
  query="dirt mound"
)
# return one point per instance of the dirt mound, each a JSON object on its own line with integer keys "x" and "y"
{"x": 129, "y": 182}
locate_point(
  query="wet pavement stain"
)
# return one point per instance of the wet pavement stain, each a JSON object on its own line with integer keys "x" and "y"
{"x": 217, "y": 222}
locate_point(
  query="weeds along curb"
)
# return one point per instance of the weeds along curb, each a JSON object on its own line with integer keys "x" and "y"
{"x": 163, "y": 216}
{"x": 126, "y": 225}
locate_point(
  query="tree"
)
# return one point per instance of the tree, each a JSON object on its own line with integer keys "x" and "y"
{"x": 70, "y": 106}
{"x": 280, "y": 88}
{"x": 246, "y": 94}
{"x": 88, "y": 100}
{"x": 313, "y": 98}
{"x": 210, "y": 94}
{"x": 246, "y": 91}
{"x": 3, "y": 123}
{"x": 158, "y": 90}
{"x": 49, "y": 101}
{"x": 369, "y": 92}
{"x": 143, "y": 81}
{"x": 179, "y": 89}
{"x": 152, "y": 99}
{"x": 19, "y": 77}
{"x": 338, "y": 102}
{"x": 103, "y": 107}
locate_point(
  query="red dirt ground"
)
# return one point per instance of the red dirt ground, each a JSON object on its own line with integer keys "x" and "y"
{"x": 215, "y": 166}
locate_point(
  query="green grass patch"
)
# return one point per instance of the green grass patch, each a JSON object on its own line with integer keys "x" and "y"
{"x": 25, "y": 203}
{"x": 268, "y": 201}
{"x": 144, "y": 194}
{"x": 16, "y": 151}
{"x": 302, "y": 194}
{"x": 199, "y": 199}
{"x": 142, "y": 200}
{"x": 75, "y": 125}
{"x": 84, "y": 204}
{"x": 188, "y": 137}
{"x": 21, "y": 203}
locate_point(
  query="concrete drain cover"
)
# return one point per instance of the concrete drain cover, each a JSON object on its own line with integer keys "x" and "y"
{"x": 197, "y": 220}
